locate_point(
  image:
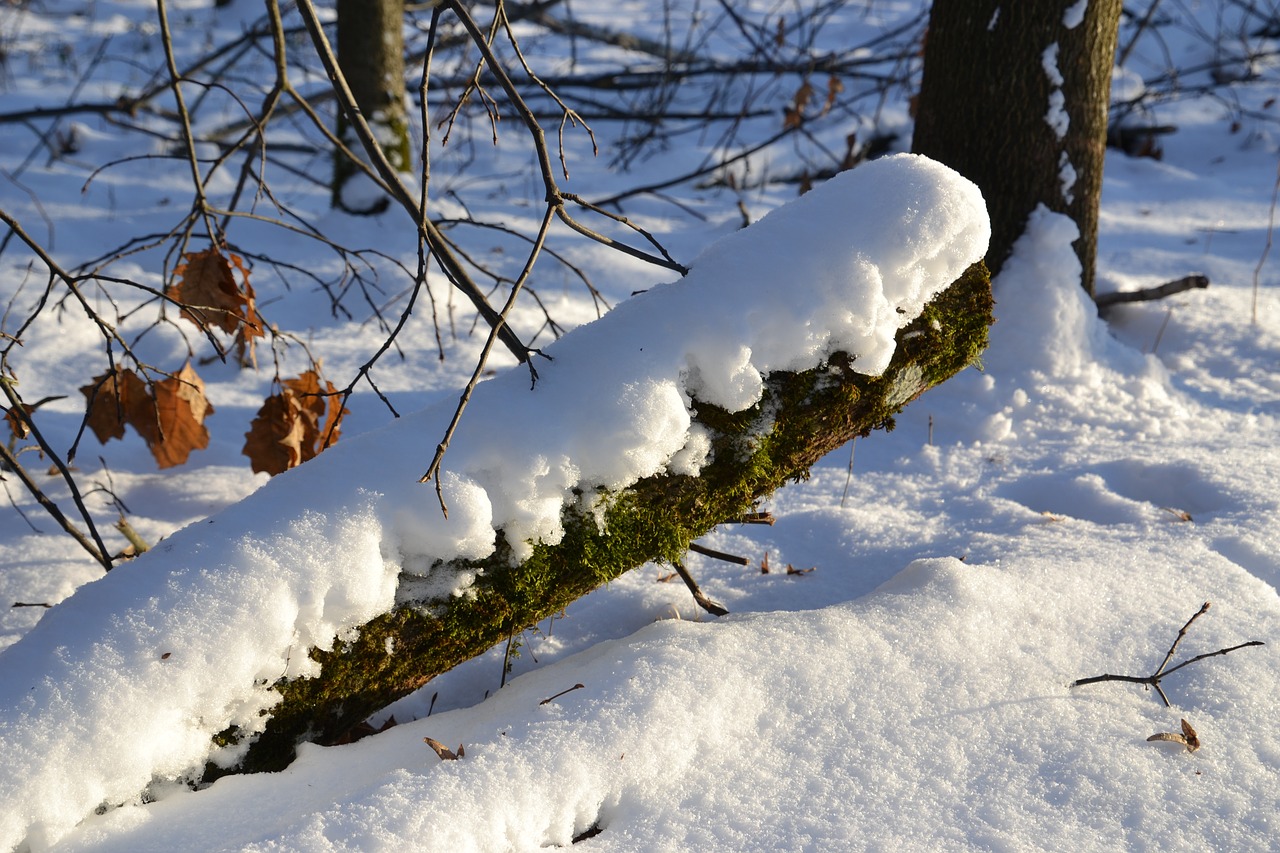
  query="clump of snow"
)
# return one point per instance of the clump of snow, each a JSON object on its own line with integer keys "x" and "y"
{"x": 1067, "y": 178}
{"x": 1074, "y": 15}
{"x": 1127, "y": 85}
{"x": 943, "y": 694}
{"x": 1056, "y": 116}
{"x": 130, "y": 677}
{"x": 1056, "y": 333}
{"x": 840, "y": 269}
{"x": 1015, "y": 532}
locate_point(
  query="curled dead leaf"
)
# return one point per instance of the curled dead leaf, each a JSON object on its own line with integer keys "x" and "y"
{"x": 206, "y": 288}
{"x": 294, "y": 424}
{"x": 1187, "y": 737}
{"x": 793, "y": 113}
{"x": 17, "y": 426}
{"x": 116, "y": 399}
{"x": 443, "y": 751}
{"x": 834, "y": 89}
{"x": 170, "y": 421}
{"x": 252, "y": 326}
{"x": 180, "y": 408}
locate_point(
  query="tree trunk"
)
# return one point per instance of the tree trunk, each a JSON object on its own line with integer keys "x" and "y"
{"x": 802, "y": 417}
{"x": 371, "y": 56}
{"x": 1014, "y": 97}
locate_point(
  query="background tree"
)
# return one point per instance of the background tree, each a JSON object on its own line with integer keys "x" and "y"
{"x": 1014, "y": 96}
{"x": 371, "y": 55}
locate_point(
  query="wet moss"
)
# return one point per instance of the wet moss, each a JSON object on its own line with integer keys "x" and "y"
{"x": 802, "y": 417}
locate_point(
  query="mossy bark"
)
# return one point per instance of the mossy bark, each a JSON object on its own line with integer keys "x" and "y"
{"x": 802, "y": 417}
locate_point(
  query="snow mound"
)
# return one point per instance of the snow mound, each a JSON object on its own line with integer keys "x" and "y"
{"x": 127, "y": 681}
{"x": 943, "y": 695}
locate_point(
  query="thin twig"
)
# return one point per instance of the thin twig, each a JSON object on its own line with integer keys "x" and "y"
{"x": 764, "y": 517}
{"x": 1182, "y": 632}
{"x": 718, "y": 555}
{"x": 561, "y": 693}
{"x": 506, "y": 661}
{"x": 201, "y": 205}
{"x": 1153, "y": 680}
{"x": 433, "y": 470}
{"x": 848, "y": 479}
{"x": 457, "y": 275}
{"x": 707, "y": 604}
{"x": 92, "y": 543}
{"x": 1137, "y": 33}
{"x": 1266, "y": 249}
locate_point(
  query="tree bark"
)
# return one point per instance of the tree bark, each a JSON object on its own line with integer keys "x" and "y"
{"x": 1015, "y": 97}
{"x": 802, "y": 417}
{"x": 371, "y": 56}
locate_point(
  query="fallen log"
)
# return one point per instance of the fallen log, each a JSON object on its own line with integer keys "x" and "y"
{"x": 802, "y": 417}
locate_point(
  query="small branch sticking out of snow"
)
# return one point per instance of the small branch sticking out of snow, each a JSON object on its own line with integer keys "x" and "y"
{"x": 1153, "y": 680}
{"x": 1149, "y": 294}
{"x": 718, "y": 555}
{"x": 715, "y": 608}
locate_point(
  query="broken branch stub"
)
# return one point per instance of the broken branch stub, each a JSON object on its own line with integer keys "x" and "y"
{"x": 802, "y": 417}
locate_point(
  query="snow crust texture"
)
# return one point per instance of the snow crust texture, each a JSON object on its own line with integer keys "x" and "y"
{"x": 128, "y": 680}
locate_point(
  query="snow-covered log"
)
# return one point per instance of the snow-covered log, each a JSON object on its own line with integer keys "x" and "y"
{"x": 800, "y": 417}
{"x": 340, "y": 585}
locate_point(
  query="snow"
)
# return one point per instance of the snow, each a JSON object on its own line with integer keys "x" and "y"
{"x": 1067, "y": 176}
{"x": 1056, "y": 116}
{"x": 1059, "y": 513}
{"x": 142, "y": 667}
{"x": 1074, "y": 15}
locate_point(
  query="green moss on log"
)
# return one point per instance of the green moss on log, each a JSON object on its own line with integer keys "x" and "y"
{"x": 802, "y": 417}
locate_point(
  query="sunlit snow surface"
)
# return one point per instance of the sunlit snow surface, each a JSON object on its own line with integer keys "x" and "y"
{"x": 1022, "y": 527}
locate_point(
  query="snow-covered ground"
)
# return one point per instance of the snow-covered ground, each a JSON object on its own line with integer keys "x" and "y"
{"x": 1060, "y": 513}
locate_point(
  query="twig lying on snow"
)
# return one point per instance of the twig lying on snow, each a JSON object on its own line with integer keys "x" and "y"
{"x": 561, "y": 693}
{"x": 1153, "y": 680}
{"x": 1149, "y": 294}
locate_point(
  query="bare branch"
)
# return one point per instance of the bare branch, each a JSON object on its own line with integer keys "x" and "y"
{"x": 457, "y": 275}
{"x": 1149, "y": 294}
{"x": 1154, "y": 679}
{"x": 92, "y": 543}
